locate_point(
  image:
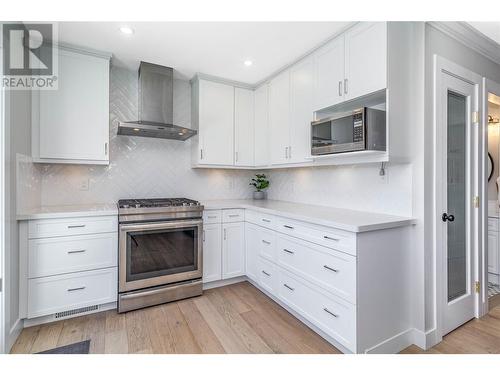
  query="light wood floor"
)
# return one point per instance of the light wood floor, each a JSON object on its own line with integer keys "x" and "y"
{"x": 232, "y": 319}
{"x": 479, "y": 336}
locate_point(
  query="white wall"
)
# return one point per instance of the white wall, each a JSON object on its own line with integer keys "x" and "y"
{"x": 436, "y": 42}
{"x": 141, "y": 167}
{"x": 493, "y": 149}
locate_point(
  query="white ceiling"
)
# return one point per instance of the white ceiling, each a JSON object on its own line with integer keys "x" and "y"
{"x": 490, "y": 29}
{"x": 214, "y": 48}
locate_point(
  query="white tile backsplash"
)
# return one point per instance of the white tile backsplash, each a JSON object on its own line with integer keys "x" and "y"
{"x": 146, "y": 167}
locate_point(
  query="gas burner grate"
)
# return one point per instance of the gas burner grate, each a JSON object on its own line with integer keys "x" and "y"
{"x": 156, "y": 202}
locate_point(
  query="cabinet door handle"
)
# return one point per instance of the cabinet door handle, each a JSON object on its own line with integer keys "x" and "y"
{"x": 266, "y": 242}
{"x": 340, "y": 88}
{"x": 76, "y": 226}
{"x": 224, "y": 234}
{"x": 201, "y": 153}
{"x": 75, "y": 289}
{"x": 289, "y": 152}
{"x": 288, "y": 287}
{"x": 106, "y": 148}
{"x": 266, "y": 220}
{"x": 329, "y": 312}
{"x": 345, "y": 86}
{"x": 288, "y": 251}
{"x": 76, "y": 251}
{"x": 203, "y": 234}
{"x": 265, "y": 273}
{"x": 288, "y": 226}
{"x": 331, "y": 238}
{"x": 330, "y": 268}
{"x": 236, "y": 155}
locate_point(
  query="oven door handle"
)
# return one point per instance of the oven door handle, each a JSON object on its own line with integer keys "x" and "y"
{"x": 160, "y": 225}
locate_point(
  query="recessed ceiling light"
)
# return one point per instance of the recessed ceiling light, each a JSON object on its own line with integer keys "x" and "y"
{"x": 248, "y": 62}
{"x": 126, "y": 30}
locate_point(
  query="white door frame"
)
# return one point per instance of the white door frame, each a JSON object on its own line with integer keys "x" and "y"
{"x": 493, "y": 87}
{"x": 3, "y": 338}
{"x": 443, "y": 66}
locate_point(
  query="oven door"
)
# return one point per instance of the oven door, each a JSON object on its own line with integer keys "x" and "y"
{"x": 153, "y": 254}
{"x": 342, "y": 133}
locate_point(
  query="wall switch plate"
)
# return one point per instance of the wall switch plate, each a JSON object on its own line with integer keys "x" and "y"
{"x": 84, "y": 184}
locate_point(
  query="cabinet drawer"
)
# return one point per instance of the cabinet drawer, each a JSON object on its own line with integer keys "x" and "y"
{"x": 261, "y": 219}
{"x": 267, "y": 275}
{"x": 212, "y": 216}
{"x": 333, "y": 270}
{"x": 72, "y": 226}
{"x": 329, "y": 237}
{"x": 233, "y": 215}
{"x": 48, "y": 295}
{"x": 267, "y": 244}
{"x": 335, "y": 317}
{"x": 54, "y": 256}
{"x": 492, "y": 224}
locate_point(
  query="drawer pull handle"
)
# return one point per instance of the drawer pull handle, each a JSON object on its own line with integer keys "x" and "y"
{"x": 329, "y": 312}
{"x": 234, "y": 215}
{"x": 212, "y": 217}
{"x": 288, "y": 226}
{"x": 265, "y": 273}
{"x": 289, "y": 287}
{"x": 76, "y": 251}
{"x": 288, "y": 251}
{"x": 330, "y": 268}
{"x": 331, "y": 238}
{"x": 266, "y": 242}
{"x": 75, "y": 289}
{"x": 266, "y": 220}
{"x": 76, "y": 226}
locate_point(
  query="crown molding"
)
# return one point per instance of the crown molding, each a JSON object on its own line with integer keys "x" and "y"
{"x": 472, "y": 38}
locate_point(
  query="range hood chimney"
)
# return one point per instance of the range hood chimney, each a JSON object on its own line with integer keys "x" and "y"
{"x": 156, "y": 102}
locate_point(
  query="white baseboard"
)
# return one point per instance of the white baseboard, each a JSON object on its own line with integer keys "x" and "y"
{"x": 51, "y": 318}
{"x": 219, "y": 283}
{"x": 14, "y": 333}
{"x": 393, "y": 344}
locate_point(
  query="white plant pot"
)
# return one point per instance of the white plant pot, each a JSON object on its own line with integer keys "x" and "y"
{"x": 259, "y": 195}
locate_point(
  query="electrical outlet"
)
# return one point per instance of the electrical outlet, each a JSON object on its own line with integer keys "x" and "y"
{"x": 84, "y": 184}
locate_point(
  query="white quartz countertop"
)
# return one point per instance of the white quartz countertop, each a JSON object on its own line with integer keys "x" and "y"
{"x": 59, "y": 212}
{"x": 340, "y": 218}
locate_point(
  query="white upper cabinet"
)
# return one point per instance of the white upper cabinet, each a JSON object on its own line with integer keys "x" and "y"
{"x": 243, "y": 127}
{"x": 215, "y": 123}
{"x": 279, "y": 118}
{"x": 71, "y": 124}
{"x": 365, "y": 59}
{"x": 329, "y": 74}
{"x": 261, "y": 122}
{"x": 301, "y": 110}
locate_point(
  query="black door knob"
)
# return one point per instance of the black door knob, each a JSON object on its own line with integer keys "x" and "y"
{"x": 445, "y": 217}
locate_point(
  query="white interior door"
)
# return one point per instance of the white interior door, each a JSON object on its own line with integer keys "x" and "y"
{"x": 457, "y": 100}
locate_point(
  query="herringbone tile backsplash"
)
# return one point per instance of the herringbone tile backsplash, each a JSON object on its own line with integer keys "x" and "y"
{"x": 141, "y": 167}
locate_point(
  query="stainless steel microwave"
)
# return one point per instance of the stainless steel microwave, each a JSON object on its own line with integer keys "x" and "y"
{"x": 362, "y": 129}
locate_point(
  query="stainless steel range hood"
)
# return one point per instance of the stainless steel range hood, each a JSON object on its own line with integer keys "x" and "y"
{"x": 156, "y": 96}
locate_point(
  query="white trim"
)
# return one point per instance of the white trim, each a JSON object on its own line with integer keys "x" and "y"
{"x": 393, "y": 344}
{"x": 14, "y": 333}
{"x": 2, "y": 214}
{"x": 440, "y": 66}
{"x": 472, "y": 38}
{"x": 219, "y": 283}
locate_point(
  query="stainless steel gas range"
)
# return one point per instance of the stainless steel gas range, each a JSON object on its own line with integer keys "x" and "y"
{"x": 160, "y": 251}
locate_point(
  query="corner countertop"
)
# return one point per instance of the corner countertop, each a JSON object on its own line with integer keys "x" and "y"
{"x": 340, "y": 218}
{"x": 58, "y": 212}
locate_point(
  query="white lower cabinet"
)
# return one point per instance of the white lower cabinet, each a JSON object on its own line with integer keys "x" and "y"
{"x": 335, "y": 280}
{"x": 212, "y": 252}
{"x": 68, "y": 266}
{"x": 48, "y": 295}
{"x": 233, "y": 250}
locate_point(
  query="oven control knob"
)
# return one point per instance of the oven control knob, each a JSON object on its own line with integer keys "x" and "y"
{"x": 137, "y": 205}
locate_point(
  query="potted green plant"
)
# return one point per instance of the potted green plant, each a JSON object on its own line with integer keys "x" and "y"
{"x": 260, "y": 182}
